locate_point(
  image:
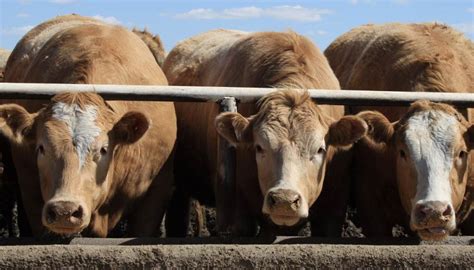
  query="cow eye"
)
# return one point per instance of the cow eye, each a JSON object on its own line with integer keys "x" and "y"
{"x": 462, "y": 154}
{"x": 258, "y": 148}
{"x": 402, "y": 154}
{"x": 103, "y": 150}
{"x": 40, "y": 149}
{"x": 321, "y": 150}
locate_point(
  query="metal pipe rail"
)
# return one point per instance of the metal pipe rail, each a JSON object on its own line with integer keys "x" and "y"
{"x": 215, "y": 94}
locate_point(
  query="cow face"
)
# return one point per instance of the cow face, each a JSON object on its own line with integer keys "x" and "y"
{"x": 291, "y": 138}
{"x": 432, "y": 144}
{"x": 74, "y": 140}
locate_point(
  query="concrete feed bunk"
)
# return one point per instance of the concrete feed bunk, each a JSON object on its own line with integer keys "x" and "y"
{"x": 244, "y": 256}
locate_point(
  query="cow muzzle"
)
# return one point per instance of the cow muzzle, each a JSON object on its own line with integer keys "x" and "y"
{"x": 433, "y": 220}
{"x": 285, "y": 207}
{"x": 65, "y": 217}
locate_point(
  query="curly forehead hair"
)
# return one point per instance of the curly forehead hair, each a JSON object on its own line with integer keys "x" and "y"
{"x": 425, "y": 105}
{"x": 288, "y": 107}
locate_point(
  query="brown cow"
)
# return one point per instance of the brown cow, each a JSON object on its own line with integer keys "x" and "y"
{"x": 410, "y": 163}
{"x": 154, "y": 44}
{"x": 4, "y": 54}
{"x": 282, "y": 149}
{"x": 82, "y": 162}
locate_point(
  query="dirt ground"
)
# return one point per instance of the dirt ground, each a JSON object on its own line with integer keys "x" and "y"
{"x": 349, "y": 228}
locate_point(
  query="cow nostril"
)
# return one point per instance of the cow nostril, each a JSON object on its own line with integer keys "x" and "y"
{"x": 51, "y": 215}
{"x": 271, "y": 200}
{"x": 78, "y": 213}
{"x": 422, "y": 212}
{"x": 448, "y": 212}
{"x": 297, "y": 201}
{"x": 434, "y": 210}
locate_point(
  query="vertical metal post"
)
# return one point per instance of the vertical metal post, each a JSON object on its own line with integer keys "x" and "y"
{"x": 225, "y": 186}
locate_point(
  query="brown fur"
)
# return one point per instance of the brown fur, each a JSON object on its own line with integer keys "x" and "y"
{"x": 348, "y": 125}
{"x": 233, "y": 58}
{"x": 154, "y": 44}
{"x": 427, "y": 57}
{"x": 4, "y": 54}
{"x": 140, "y": 180}
{"x": 384, "y": 138}
{"x": 286, "y": 106}
{"x": 396, "y": 57}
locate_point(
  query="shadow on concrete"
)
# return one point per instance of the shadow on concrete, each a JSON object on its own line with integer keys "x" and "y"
{"x": 454, "y": 240}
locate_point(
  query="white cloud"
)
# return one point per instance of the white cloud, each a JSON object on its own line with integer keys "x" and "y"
{"x": 316, "y": 33}
{"x": 399, "y": 2}
{"x": 471, "y": 10}
{"x": 109, "y": 19}
{"x": 200, "y": 13}
{"x": 62, "y": 2}
{"x": 286, "y": 12}
{"x": 297, "y": 13}
{"x": 16, "y": 30}
{"x": 355, "y": 2}
{"x": 244, "y": 12}
{"x": 467, "y": 28}
{"x": 23, "y": 15}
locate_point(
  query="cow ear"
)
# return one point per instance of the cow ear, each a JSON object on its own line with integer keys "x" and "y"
{"x": 130, "y": 128}
{"x": 380, "y": 130}
{"x": 234, "y": 128}
{"x": 16, "y": 123}
{"x": 346, "y": 131}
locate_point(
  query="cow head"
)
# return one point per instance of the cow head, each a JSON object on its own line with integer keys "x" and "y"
{"x": 73, "y": 139}
{"x": 432, "y": 144}
{"x": 291, "y": 137}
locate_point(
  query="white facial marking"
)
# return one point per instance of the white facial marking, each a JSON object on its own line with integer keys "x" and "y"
{"x": 429, "y": 137}
{"x": 290, "y": 171}
{"x": 288, "y": 177}
{"x": 82, "y": 126}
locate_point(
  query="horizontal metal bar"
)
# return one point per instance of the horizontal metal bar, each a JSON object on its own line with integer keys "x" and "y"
{"x": 214, "y": 94}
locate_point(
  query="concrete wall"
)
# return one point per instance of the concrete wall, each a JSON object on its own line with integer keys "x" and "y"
{"x": 104, "y": 254}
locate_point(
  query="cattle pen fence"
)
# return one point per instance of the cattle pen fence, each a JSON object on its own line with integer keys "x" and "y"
{"x": 216, "y": 94}
{"x": 250, "y": 253}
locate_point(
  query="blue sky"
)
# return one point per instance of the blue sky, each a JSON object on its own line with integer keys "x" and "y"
{"x": 322, "y": 20}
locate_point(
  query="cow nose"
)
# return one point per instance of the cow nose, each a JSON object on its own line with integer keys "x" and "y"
{"x": 64, "y": 212}
{"x": 433, "y": 210}
{"x": 284, "y": 197}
